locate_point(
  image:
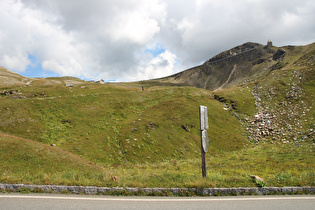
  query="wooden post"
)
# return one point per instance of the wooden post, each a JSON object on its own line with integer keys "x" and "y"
{"x": 203, "y": 112}
{"x": 204, "y": 164}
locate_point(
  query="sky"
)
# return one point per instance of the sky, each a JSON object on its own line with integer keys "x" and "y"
{"x": 133, "y": 40}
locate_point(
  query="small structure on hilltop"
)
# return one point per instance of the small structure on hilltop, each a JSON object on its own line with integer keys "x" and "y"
{"x": 100, "y": 81}
{"x": 269, "y": 43}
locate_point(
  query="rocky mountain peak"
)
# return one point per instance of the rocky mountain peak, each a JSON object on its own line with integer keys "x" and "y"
{"x": 246, "y": 47}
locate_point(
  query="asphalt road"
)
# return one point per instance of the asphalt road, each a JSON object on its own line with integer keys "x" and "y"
{"x": 57, "y": 201}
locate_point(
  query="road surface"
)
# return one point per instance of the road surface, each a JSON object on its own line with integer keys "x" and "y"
{"x": 59, "y": 201}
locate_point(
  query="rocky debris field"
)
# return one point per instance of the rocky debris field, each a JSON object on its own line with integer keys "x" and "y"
{"x": 281, "y": 110}
{"x": 17, "y": 94}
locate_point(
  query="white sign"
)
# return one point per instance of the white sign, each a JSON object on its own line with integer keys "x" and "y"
{"x": 204, "y": 126}
{"x": 205, "y": 140}
{"x": 203, "y": 118}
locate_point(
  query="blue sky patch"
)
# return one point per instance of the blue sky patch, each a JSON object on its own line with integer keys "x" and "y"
{"x": 156, "y": 50}
{"x": 35, "y": 69}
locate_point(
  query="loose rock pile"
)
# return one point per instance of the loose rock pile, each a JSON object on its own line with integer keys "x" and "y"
{"x": 280, "y": 113}
{"x": 9, "y": 92}
{"x": 262, "y": 124}
{"x": 16, "y": 94}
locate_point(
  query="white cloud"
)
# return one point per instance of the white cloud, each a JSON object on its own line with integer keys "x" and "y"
{"x": 13, "y": 51}
{"x": 133, "y": 28}
{"x": 17, "y": 62}
{"x": 136, "y": 26}
{"x": 213, "y": 26}
{"x": 108, "y": 39}
{"x": 160, "y": 66}
{"x": 31, "y": 32}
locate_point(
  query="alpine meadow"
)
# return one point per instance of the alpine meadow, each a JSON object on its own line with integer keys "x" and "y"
{"x": 260, "y": 100}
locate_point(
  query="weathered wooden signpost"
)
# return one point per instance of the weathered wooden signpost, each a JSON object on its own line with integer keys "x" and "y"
{"x": 204, "y": 126}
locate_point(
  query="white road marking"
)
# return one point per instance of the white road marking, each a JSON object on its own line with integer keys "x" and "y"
{"x": 170, "y": 199}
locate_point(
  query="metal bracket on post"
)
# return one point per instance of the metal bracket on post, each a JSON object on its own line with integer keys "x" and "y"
{"x": 204, "y": 126}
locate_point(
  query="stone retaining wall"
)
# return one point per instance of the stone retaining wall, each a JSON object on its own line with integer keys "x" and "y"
{"x": 90, "y": 190}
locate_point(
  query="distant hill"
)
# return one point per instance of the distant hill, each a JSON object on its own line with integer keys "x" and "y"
{"x": 10, "y": 79}
{"x": 236, "y": 66}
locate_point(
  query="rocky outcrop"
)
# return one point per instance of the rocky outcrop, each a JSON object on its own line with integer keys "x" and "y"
{"x": 236, "y": 51}
{"x": 279, "y": 54}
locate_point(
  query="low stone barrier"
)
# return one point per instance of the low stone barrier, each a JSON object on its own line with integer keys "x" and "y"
{"x": 91, "y": 190}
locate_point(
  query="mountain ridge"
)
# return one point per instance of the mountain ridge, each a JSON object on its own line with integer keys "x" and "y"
{"x": 236, "y": 66}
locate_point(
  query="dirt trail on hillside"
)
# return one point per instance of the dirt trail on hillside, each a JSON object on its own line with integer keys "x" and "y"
{"x": 232, "y": 72}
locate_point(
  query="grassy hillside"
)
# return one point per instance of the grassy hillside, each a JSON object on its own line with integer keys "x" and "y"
{"x": 9, "y": 78}
{"x": 26, "y": 161}
{"x": 111, "y": 124}
{"x": 279, "y": 165}
{"x": 29, "y": 162}
{"x": 151, "y": 137}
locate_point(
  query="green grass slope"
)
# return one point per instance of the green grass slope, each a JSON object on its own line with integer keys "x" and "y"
{"x": 110, "y": 124}
{"x": 26, "y": 161}
{"x": 279, "y": 165}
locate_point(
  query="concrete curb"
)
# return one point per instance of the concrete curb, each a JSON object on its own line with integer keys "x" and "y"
{"x": 91, "y": 190}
